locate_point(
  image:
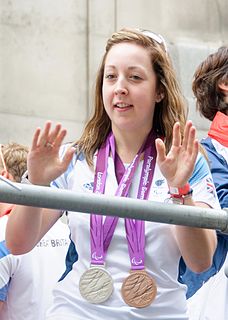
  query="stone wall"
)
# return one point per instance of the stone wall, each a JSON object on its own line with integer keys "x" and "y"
{"x": 50, "y": 50}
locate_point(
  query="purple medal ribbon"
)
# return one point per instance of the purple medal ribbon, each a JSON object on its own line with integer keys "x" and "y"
{"x": 96, "y": 221}
{"x": 135, "y": 229}
{"x": 101, "y": 234}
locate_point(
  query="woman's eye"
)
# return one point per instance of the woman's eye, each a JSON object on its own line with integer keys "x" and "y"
{"x": 135, "y": 77}
{"x": 109, "y": 76}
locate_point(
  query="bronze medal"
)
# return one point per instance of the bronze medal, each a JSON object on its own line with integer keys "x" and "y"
{"x": 139, "y": 289}
{"x": 96, "y": 285}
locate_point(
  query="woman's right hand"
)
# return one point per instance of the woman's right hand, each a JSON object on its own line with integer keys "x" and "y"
{"x": 44, "y": 163}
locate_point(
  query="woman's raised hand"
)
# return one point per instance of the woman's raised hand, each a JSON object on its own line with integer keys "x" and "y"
{"x": 177, "y": 166}
{"x": 44, "y": 163}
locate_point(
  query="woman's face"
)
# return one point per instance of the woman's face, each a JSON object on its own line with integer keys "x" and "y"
{"x": 129, "y": 88}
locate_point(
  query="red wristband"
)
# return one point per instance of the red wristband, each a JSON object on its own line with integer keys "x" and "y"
{"x": 178, "y": 195}
{"x": 180, "y": 192}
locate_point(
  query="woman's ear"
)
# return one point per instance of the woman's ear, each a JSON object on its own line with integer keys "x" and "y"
{"x": 6, "y": 175}
{"x": 223, "y": 86}
{"x": 159, "y": 97}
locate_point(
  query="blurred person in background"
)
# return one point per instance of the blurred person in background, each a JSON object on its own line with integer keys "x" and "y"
{"x": 210, "y": 87}
{"x": 26, "y": 281}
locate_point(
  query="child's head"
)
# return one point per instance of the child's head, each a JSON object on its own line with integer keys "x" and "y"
{"x": 168, "y": 110}
{"x": 209, "y": 81}
{"x": 13, "y": 160}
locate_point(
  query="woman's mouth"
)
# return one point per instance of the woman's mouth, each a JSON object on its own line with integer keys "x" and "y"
{"x": 123, "y": 105}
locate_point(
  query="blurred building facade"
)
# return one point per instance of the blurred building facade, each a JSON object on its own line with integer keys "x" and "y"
{"x": 50, "y": 51}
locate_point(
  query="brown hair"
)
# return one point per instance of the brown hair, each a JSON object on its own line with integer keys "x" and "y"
{"x": 15, "y": 156}
{"x": 208, "y": 75}
{"x": 169, "y": 110}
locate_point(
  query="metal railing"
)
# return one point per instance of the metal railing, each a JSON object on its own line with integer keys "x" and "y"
{"x": 52, "y": 198}
{"x": 45, "y": 197}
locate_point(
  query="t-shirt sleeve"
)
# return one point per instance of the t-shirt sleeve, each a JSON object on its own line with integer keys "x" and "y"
{"x": 4, "y": 271}
{"x": 62, "y": 181}
{"x": 202, "y": 184}
{"x": 219, "y": 170}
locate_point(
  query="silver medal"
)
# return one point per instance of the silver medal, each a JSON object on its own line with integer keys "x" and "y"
{"x": 96, "y": 285}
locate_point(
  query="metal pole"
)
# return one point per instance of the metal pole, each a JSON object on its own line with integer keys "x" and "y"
{"x": 52, "y": 198}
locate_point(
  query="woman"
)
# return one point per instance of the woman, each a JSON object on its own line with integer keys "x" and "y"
{"x": 137, "y": 144}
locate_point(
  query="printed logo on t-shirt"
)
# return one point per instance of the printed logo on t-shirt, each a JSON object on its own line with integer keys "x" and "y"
{"x": 210, "y": 186}
{"x": 159, "y": 182}
{"x": 88, "y": 186}
{"x": 53, "y": 243}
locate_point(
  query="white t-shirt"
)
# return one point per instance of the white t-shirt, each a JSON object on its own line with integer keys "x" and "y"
{"x": 210, "y": 301}
{"x": 162, "y": 254}
{"x": 26, "y": 281}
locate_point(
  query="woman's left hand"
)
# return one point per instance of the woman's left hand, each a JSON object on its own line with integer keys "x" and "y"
{"x": 177, "y": 166}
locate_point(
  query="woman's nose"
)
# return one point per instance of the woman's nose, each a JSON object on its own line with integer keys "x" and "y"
{"x": 121, "y": 91}
{"x": 120, "y": 88}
